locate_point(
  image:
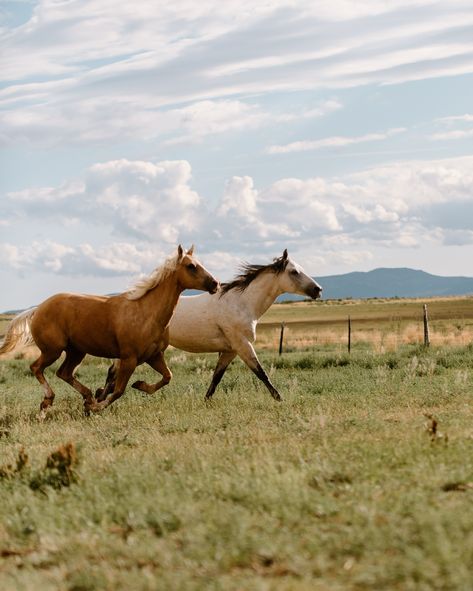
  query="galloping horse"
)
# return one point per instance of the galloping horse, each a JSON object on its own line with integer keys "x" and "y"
{"x": 132, "y": 326}
{"x": 225, "y": 323}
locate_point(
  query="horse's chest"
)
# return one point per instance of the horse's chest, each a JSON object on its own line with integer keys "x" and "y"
{"x": 157, "y": 344}
{"x": 146, "y": 340}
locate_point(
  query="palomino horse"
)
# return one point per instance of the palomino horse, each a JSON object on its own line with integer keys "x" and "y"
{"x": 225, "y": 323}
{"x": 132, "y": 326}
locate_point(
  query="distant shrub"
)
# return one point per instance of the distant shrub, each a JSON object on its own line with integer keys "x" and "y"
{"x": 10, "y": 471}
{"x": 60, "y": 469}
{"x": 392, "y": 362}
{"x": 307, "y": 362}
{"x": 335, "y": 361}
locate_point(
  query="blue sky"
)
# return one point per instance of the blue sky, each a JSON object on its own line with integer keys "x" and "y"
{"x": 341, "y": 130}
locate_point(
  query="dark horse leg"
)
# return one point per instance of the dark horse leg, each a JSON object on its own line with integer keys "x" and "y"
{"x": 248, "y": 354}
{"x": 125, "y": 368}
{"x": 102, "y": 393}
{"x": 158, "y": 363}
{"x": 66, "y": 371}
{"x": 224, "y": 360}
{"x": 37, "y": 367}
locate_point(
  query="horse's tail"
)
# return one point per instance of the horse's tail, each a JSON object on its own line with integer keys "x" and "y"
{"x": 19, "y": 332}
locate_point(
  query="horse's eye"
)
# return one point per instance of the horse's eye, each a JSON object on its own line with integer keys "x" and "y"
{"x": 294, "y": 272}
{"x": 191, "y": 267}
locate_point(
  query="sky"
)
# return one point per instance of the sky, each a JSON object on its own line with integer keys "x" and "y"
{"x": 341, "y": 130}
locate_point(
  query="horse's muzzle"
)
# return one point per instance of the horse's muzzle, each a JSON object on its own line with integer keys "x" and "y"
{"x": 212, "y": 286}
{"x": 315, "y": 292}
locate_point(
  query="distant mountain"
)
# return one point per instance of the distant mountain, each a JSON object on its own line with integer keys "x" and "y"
{"x": 390, "y": 283}
{"x": 379, "y": 283}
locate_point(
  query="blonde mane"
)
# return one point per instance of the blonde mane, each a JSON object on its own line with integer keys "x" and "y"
{"x": 145, "y": 284}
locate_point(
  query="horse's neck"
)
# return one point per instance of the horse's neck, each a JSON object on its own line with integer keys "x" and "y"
{"x": 161, "y": 301}
{"x": 261, "y": 293}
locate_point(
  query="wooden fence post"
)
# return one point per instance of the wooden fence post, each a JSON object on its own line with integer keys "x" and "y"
{"x": 426, "y": 327}
{"x": 281, "y": 338}
{"x": 349, "y": 334}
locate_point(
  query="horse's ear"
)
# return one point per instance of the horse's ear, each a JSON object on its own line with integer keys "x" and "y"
{"x": 190, "y": 252}
{"x": 284, "y": 255}
{"x": 180, "y": 252}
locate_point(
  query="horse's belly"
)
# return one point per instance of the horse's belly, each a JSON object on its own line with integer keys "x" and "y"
{"x": 194, "y": 326}
{"x": 96, "y": 347}
{"x": 198, "y": 342}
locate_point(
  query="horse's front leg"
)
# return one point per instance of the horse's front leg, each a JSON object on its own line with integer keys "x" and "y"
{"x": 224, "y": 360}
{"x": 125, "y": 368}
{"x": 158, "y": 363}
{"x": 102, "y": 393}
{"x": 246, "y": 351}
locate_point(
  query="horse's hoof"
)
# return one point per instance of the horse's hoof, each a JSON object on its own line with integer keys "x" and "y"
{"x": 137, "y": 385}
{"x": 42, "y": 415}
{"x": 277, "y": 397}
{"x": 93, "y": 408}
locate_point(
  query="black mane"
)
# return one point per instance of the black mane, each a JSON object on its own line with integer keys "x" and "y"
{"x": 248, "y": 273}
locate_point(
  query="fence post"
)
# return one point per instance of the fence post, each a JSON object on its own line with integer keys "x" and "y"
{"x": 426, "y": 327}
{"x": 349, "y": 334}
{"x": 281, "y": 338}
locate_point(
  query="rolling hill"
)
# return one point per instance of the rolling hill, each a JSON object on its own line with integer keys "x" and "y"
{"x": 389, "y": 283}
{"x": 380, "y": 283}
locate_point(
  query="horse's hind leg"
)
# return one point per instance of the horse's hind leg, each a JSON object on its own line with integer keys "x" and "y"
{"x": 158, "y": 363}
{"x": 224, "y": 360}
{"x": 37, "y": 367}
{"x": 66, "y": 373}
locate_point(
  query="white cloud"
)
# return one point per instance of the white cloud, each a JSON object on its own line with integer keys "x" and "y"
{"x": 157, "y": 33}
{"x": 152, "y": 205}
{"x": 135, "y": 198}
{"x": 457, "y": 237}
{"x": 239, "y": 197}
{"x": 109, "y": 260}
{"x": 212, "y": 117}
{"x": 96, "y": 70}
{"x": 125, "y": 118}
{"x": 453, "y": 134}
{"x": 333, "y": 142}
{"x": 457, "y": 134}
{"x": 401, "y": 205}
{"x": 466, "y": 117}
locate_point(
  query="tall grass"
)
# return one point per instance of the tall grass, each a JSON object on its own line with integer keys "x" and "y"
{"x": 361, "y": 479}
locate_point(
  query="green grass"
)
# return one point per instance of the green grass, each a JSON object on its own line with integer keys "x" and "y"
{"x": 371, "y": 310}
{"x": 341, "y": 486}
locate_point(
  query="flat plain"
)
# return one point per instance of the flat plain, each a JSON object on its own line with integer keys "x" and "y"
{"x": 362, "y": 478}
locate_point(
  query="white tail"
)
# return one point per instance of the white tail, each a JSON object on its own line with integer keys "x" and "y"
{"x": 18, "y": 332}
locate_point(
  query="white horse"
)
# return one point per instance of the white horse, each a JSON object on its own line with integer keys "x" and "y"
{"x": 225, "y": 322}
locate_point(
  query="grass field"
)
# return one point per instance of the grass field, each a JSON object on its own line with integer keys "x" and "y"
{"x": 362, "y": 478}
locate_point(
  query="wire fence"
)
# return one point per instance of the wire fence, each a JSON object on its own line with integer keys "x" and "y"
{"x": 386, "y": 332}
{"x": 381, "y": 335}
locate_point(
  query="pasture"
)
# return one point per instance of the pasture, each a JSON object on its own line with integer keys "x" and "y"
{"x": 362, "y": 478}
{"x": 379, "y": 324}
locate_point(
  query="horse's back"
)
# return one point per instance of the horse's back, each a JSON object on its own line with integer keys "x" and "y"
{"x": 70, "y": 319}
{"x": 62, "y": 306}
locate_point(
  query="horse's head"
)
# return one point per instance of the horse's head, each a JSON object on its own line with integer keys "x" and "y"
{"x": 192, "y": 274}
{"x": 293, "y": 279}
